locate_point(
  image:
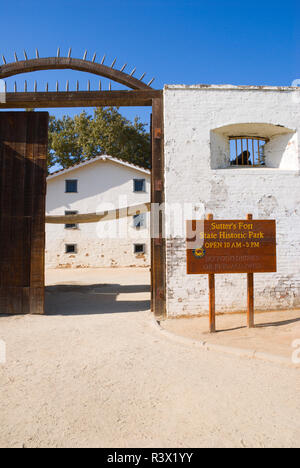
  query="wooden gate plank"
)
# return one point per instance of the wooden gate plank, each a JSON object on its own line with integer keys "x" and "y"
{"x": 23, "y": 170}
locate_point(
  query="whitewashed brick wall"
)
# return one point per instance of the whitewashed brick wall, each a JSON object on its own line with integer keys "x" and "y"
{"x": 192, "y": 113}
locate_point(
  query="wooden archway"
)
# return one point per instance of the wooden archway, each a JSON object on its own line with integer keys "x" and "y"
{"x": 139, "y": 94}
{"x": 67, "y": 63}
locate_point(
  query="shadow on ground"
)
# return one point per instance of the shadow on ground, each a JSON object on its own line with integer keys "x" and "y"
{"x": 277, "y": 324}
{"x": 73, "y": 299}
{"x": 261, "y": 325}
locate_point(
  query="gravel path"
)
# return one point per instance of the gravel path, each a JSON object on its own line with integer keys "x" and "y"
{"x": 111, "y": 379}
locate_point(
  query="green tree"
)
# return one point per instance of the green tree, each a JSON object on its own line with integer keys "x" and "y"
{"x": 74, "y": 140}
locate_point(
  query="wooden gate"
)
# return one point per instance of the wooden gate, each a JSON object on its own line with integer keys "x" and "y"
{"x": 138, "y": 94}
{"x": 23, "y": 170}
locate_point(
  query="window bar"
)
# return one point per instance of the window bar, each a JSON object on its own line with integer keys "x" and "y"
{"x": 236, "y": 151}
{"x": 262, "y": 152}
{"x": 247, "y": 151}
{"x": 243, "y": 163}
{"x": 258, "y": 149}
{"x": 253, "y": 153}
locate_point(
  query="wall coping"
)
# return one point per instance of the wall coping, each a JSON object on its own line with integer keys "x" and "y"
{"x": 228, "y": 87}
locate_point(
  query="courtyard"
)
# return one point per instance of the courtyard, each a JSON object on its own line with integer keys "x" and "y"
{"x": 96, "y": 372}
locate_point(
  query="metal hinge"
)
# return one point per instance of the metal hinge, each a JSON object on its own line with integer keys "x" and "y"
{"x": 157, "y": 133}
{"x": 160, "y": 293}
{"x": 158, "y": 185}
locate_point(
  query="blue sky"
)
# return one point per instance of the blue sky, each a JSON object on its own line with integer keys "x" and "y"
{"x": 183, "y": 42}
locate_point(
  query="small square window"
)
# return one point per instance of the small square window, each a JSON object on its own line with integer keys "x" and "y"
{"x": 139, "y": 248}
{"x": 139, "y": 221}
{"x": 71, "y": 186}
{"x": 71, "y": 248}
{"x": 139, "y": 185}
{"x": 71, "y": 226}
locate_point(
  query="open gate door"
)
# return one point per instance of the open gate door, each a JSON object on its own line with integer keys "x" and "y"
{"x": 23, "y": 171}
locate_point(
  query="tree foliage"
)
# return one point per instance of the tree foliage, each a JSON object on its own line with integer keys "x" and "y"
{"x": 74, "y": 140}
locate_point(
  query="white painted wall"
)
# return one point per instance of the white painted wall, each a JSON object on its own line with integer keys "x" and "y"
{"x": 102, "y": 185}
{"x": 196, "y": 156}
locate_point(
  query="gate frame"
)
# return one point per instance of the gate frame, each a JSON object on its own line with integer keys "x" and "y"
{"x": 140, "y": 94}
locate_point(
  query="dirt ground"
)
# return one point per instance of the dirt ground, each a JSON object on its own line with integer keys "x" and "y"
{"x": 274, "y": 332}
{"x": 95, "y": 372}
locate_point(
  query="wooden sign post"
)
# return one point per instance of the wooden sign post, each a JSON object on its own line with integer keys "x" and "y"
{"x": 212, "y": 295}
{"x": 231, "y": 246}
{"x": 250, "y": 288}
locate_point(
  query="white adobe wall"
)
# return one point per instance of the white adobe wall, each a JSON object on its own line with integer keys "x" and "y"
{"x": 196, "y": 155}
{"x": 98, "y": 183}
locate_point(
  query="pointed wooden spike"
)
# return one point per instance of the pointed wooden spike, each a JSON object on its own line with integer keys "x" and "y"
{"x": 4, "y": 59}
{"x": 151, "y": 81}
{"x": 143, "y": 76}
{"x": 77, "y": 85}
{"x": 58, "y": 52}
{"x": 25, "y": 86}
{"x": 5, "y": 86}
{"x": 16, "y": 57}
{"x": 15, "y": 87}
{"x": 25, "y": 55}
{"x": 103, "y": 59}
{"x": 70, "y": 52}
{"x": 37, "y": 54}
{"x": 67, "y": 86}
{"x": 133, "y": 72}
{"x": 100, "y": 85}
{"x": 124, "y": 66}
{"x": 35, "y": 86}
{"x": 89, "y": 86}
{"x": 57, "y": 87}
{"x": 113, "y": 64}
{"x": 47, "y": 87}
{"x": 94, "y": 57}
{"x": 109, "y": 86}
{"x": 84, "y": 55}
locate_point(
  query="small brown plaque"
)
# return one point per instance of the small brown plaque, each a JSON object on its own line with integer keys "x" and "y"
{"x": 231, "y": 246}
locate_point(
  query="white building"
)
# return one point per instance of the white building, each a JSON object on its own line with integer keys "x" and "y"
{"x": 98, "y": 185}
{"x": 206, "y": 128}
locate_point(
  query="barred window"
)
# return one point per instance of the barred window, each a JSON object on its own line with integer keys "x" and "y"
{"x": 71, "y": 186}
{"x": 139, "y": 221}
{"x": 139, "y": 185}
{"x": 71, "y": 226}
{"x": 139, "y": 248}
{"x": 71, "y": 248}
{"x": 247, "y": 151}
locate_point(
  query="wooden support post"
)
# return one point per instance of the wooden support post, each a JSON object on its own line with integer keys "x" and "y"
{"x": 158, "y": 256}
{"x": 212, "y": 295}
{"x": 250, "y": 287}
{"x": 212, "y": 303}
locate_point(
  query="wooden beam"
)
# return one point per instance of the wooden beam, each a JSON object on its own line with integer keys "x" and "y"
{"x": 45, "y": 100}
{"x": 96, "y": 217}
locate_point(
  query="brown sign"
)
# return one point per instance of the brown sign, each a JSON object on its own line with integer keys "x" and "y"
{"x": 236, "y": 246}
